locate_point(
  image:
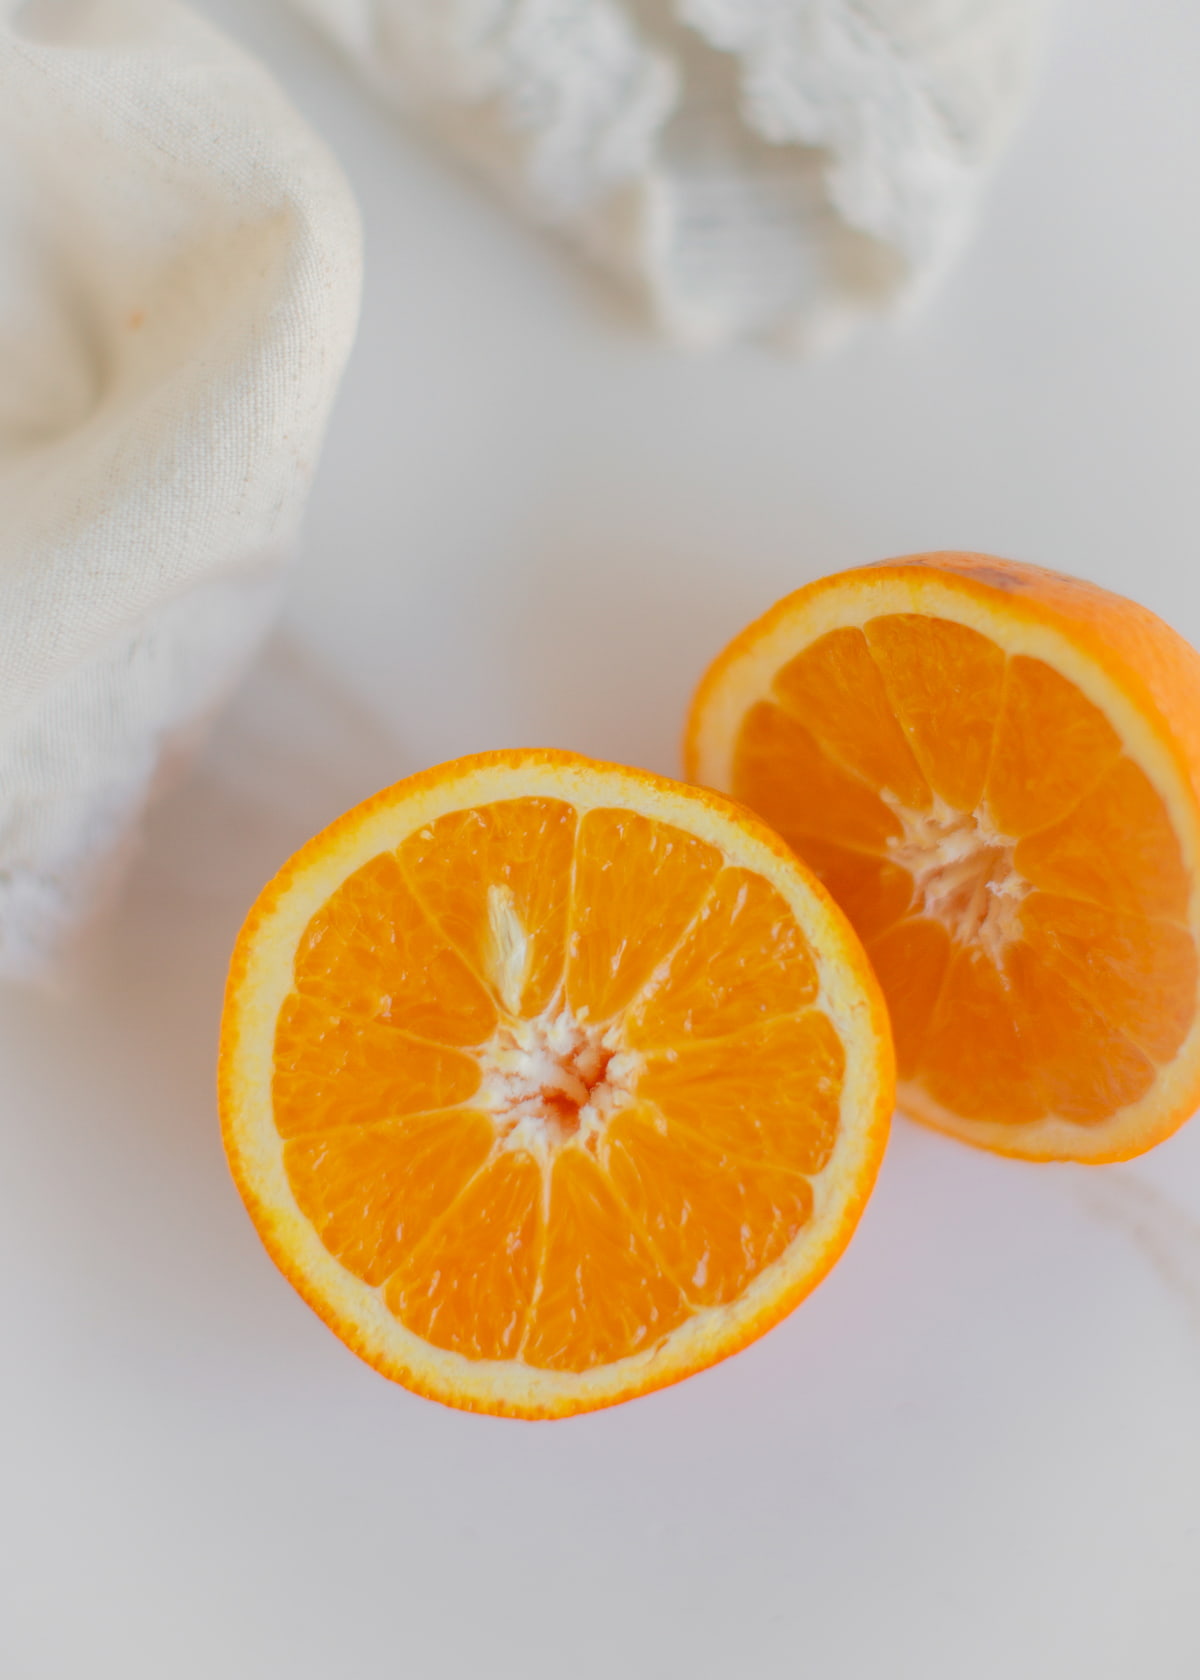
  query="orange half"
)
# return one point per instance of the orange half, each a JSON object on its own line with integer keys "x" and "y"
{"x": 996, "y": 771}
{"x": 548, "y": 1083}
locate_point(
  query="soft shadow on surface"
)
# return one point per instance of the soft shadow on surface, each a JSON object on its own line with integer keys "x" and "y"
{"x": 612, "y": 623}
{"x": 295, "y": 750}
{"x": 1161, "y": 1231}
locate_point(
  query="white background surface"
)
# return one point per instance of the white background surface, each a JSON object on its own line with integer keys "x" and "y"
{"x": 975, "y": 1452}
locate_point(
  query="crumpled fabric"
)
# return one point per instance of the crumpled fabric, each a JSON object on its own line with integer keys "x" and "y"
{"x": 179, "y": 280}
{"x": 782, "y": 169}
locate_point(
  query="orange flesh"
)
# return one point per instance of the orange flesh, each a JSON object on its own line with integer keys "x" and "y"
{"x": 554, "y": 1084}
{"x": 1013, "y": 874}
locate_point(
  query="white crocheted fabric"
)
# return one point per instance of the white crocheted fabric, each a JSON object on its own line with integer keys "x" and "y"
{"x": 179, "y": 273}
{"x": 752, "y": 167}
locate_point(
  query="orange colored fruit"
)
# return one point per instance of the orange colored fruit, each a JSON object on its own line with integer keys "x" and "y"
{"x": 996, "y": 772}
{"x": 548, "y": 1083}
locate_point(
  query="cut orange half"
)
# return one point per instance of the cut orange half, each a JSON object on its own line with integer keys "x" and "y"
{"x": 995, "y": 770}
{"x": 548, "y": 1083}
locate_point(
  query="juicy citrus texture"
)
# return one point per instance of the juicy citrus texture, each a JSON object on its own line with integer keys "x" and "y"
{"x": 548, "y": 1082}
{"x": 994, "y": 769}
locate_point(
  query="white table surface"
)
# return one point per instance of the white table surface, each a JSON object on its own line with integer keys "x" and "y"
{"x": 975, "y": 1453}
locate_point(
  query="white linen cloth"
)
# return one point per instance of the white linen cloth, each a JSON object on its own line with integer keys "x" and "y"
{"x": 179, "y": 279}
{"x": 783, "y": 168}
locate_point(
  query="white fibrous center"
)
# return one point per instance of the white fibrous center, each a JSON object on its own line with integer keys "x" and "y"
{"x": 550, "y": 1079}
{"x": 553, "y": 1080}
{"x": 963, "y": 874}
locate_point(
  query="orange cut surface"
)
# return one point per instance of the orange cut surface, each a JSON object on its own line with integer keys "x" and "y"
{"x": 996, "y": 772}
{"x": 548, "y": 1083}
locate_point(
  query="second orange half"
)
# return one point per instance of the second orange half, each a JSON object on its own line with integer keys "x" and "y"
{"x": 996, "y": 771}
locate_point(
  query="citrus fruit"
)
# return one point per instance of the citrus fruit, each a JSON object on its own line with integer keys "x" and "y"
{"x": 995, "y": 771}
{"x": 548, "y": 1083}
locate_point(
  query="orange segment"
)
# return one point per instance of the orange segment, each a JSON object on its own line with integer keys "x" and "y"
{"x": 1052, "y": 747}
{"x": 604, "y": 1295}
{"x": 638, "y": 883}
{"x": 773, "y": 1092}
{"x": 371, "y": 950}
{"x": 548, "y": 1083}
{"x": 874, "y": 893}
{"x": 743, "y": 959}
{"x": 496, "y": 882}
{"x": 716, "y": 1220}
{"x": 1139, "y": 973}
{"x": 835, "y": 689}
{"x": 944, "y": 681}
{"x": 1088, "y": 1068}
{"x": 1031, "y": 907}
{"x": 1117, "y": 848}
{"x": 975, "y": 1060}
{"x": 338, "y": 1070}
{"x": 372, "y": 1191}
{"x": 469, "y": 1284}
{"x": 781, "y": 772}
{"x": 911, "y": 960}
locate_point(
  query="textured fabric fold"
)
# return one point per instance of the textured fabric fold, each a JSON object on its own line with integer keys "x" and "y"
{"x": 773, "y": 168}
{"x": 179, "y": 278}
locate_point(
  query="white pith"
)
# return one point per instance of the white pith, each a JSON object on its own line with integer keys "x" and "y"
{"x": 963, "y": 873}
{"x": 553, "y": 1080}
